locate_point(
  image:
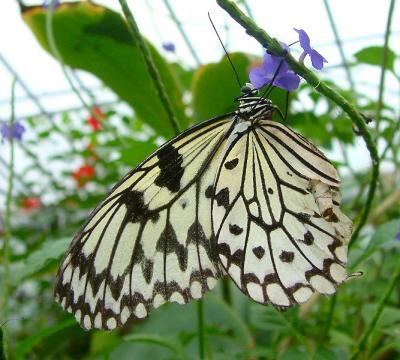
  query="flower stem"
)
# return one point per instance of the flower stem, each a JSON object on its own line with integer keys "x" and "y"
{"x": 361, "y": 344}
{"x": 7, "y": 227}
{"x": 339, "y": 44}
{"x": 182, "y": 32}
{"x": 379, "y": 104}
{"x": 275, "y": 48}
{"x": 200, "y": 328}
{"x": 153, "y": 71}
{"x": 226, "y": 290}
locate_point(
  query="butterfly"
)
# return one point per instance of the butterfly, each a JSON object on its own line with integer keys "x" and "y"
{"x": 239, "y": 195}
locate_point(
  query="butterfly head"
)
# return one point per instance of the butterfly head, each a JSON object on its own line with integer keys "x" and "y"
{"x": 251, "y": 106}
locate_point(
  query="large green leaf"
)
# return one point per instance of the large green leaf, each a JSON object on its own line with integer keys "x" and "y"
{"x": 51, "y": 250}
{"x": 24, "y": 347}
{"x": 373, "y": 56}
{"x": 215, "y": 87}
{"x": 96, "y": 39}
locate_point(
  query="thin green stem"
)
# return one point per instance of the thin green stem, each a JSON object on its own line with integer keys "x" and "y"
{"x": 275, "y": 47}
{"x": 226, "y": 290}
{"x": 182, "y": 32}
{"x": 153, "y": 71}
{"x": 24, "y": 86}
{"x": 200, "y": 328}
{"x": 371, "y": 326}
{"x": 379, "y": 104}
{"x": 299, "y": 336}
{"x": 7, "y": 225}
{"x": 339, "y": 44}
{"x": 328, "y": 322}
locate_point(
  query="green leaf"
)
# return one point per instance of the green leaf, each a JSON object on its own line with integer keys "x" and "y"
{"x": 384, "y": 235}
{"x": 28, "y": 344}
{"x": 390, "y": 315}
{"x": 96, "y": 39}
{"x": 136, "y": 152}
{"x": 324, "y": 353}
{"x": 51, "y": 250}
{"x": 215, "y": 86}
{"x": 373, "y": 56}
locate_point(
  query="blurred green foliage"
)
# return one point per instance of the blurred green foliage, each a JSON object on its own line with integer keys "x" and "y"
{"x": 97, "y": 40}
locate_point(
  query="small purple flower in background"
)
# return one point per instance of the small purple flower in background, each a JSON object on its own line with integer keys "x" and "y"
{"x": 274, "y": 69}
{"x": 12, "y": 132}
{"x": 317, "y": 59}
{"x": 397, "y": 237}
{"x": 169, "y": 46}
{"x": 47, "y": 3}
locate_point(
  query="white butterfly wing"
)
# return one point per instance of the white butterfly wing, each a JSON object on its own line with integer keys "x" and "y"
{"x": 148, "y": 242}
{"x": 279, "y": 231}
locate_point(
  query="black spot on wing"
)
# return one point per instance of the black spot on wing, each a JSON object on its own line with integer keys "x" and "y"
{"x": 231, "y": 164}
{"x": 147, "y": 269}
{"x": 171, "y": 170}
{"x": 286, "y": 256}
{"x": 169, "y": 242}
{"x": 235, "y": 229}
{"x": 308, "y": 238}
{"x": 209, "y": 192}
{"x": 223, "y": 198}
{"x": 259, "y": 252}
{"x": 137, "y": 210}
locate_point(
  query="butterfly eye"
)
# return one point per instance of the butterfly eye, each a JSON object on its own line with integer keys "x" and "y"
{"x": 246, "y": 89}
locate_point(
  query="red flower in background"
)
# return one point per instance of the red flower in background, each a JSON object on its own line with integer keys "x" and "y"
{"x": 83, "y": 175}
{"x": 95, "y": 117}
{"x": 30, "y": 204}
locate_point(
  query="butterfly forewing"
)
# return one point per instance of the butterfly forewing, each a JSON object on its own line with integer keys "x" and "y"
{"x": 148, "y": 242}
{"x": 280, "y": 234}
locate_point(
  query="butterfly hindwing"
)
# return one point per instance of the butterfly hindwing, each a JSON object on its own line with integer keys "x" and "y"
{"x": 148, "y": 242}
{"x": 279, "y": 231}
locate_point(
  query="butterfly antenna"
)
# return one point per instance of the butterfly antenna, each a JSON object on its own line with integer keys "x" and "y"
{"x": 226, "y": 52}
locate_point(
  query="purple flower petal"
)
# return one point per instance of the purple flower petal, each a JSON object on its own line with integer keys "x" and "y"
{"x": 397, "y": 237}
{"x": 258, "y": 78}
{"x": 317, "y": 59}
{"x": 274, "y": 70}
{"x": 47, "y": 3}
{"x": 290, "y": 81}
{"x": 304, "y": 40}
{"x": 169, "y": 46}
{"x": 12, "y": 132}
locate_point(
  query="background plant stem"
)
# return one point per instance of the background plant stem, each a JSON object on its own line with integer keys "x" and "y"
{"x": 153, "y": 71}
{"x": 178, "y": 24}
{"x": 367, "y": 332}
{"x": 383, "y": 67}
{"x": 275, "y": 48}
{"x": 7, "y": 228}
{"x": 339, "y": 44}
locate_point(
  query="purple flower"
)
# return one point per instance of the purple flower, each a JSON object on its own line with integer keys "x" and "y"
{"x": 276, "y": 70}
{"x": 47, "y": 3}
{"x": 169, "y": 46}
{"x": 317, "y": 59}
{"x": 397, "y": 237}
{"x": 12, "y": 132}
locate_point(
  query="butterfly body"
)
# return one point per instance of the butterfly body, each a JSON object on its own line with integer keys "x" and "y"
{"x": 240, "y": 195}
